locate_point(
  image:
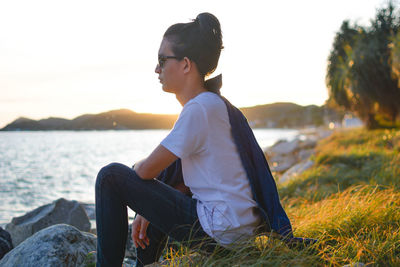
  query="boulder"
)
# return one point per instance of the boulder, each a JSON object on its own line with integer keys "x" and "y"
{"x": 296, "y": 170}
{"x": 308, "y": 143}
{"x": 90, "y": 210}
{"x": 281, "y": 163}
{"x": 58, "y": 245}
{"x": 304, "y": 154}
{"x": 284, "y": 148}
{"x": 5, "y": 242}
{"x": 60, "y": 211}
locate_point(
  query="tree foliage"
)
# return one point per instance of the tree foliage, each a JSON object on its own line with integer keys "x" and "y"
{"x": 363, "y": 68}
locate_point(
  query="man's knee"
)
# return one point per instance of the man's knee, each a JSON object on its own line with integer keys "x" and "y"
{"x": 107, "y": 172}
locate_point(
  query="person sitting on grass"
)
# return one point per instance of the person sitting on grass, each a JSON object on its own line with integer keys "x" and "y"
{"x": 211, "y": 150}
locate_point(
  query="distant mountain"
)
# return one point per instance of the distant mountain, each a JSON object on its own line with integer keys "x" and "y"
{"x": 123, "y": 119}
{"x": 277, "y": 115}
{"x": 289, "y": 115}
{"x": 112, "y": 120}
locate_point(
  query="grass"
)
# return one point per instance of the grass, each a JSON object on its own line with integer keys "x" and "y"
{"x": 349, "y": 200}
{"x": 346, "y": 159}
{"x": 361, "y": 224}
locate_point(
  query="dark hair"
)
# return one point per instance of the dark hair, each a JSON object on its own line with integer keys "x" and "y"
{"x": 201, "y": 42}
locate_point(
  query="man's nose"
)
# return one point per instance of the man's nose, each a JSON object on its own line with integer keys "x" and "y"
{"x": 158, "y": 69}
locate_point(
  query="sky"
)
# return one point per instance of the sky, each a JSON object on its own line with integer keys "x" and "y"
{"x": 68, "y": 58}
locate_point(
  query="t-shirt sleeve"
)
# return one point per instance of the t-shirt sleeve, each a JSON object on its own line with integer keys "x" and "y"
{"x": 188, "y": 136}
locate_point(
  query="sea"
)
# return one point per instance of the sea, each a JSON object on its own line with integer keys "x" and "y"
{"x": 38, "y": 167}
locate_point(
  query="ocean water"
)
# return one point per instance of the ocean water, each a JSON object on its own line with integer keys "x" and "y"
{"x": 37, "y": 168}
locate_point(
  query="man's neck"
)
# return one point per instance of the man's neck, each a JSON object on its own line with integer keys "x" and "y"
{"x": 188, "y": 94}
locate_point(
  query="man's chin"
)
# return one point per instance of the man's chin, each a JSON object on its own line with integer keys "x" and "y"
{"x": 166, "y": 90}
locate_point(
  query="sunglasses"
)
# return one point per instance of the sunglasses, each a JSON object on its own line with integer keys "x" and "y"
{"x": 162, "y": 59}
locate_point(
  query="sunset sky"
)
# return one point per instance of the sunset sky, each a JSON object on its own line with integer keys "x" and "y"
{"x": 67, "y": 58}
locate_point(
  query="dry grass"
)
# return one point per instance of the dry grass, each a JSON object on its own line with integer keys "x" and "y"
{"x": 361, "y": 224}
{"x": 349, "y": 201}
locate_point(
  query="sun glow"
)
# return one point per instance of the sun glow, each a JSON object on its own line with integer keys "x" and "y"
{"x": 69, "y": 58}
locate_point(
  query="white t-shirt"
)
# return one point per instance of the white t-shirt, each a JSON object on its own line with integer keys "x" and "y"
{"x": 212, "y": 169}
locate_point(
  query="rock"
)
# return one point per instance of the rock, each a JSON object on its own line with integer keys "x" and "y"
{"x": 130, "y": 250}
{"x": 58, "y": 245}
{"x": 90, "y": 210}
{"x": 128, "y": 262}
{"x": 93, "y": 231}
{"x": 60, "y": 211}
{"x": 296, "y": 170}
{"x": 324, "y": 134}
{"x": 305, "y": 154}
{"x": 90, "y": 259}
{"x": 5, "y": 242}
{"x": 281, "y": 163}
{"x": 284, "y": 148}
{"x": 308, "y": 143}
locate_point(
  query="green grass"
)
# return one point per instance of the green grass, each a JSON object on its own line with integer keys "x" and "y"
{"x": 349, "y": 158}
{"x": 349, "y": 200}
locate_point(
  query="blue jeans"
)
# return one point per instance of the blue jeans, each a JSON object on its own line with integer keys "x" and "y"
{"x": 169, "y": 212}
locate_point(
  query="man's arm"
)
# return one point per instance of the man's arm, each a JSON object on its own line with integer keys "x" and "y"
{"x": 158, "y": 160}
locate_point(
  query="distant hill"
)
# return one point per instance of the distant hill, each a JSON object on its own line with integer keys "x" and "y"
{"x": 289, "y": 115}
{"x": 277, "y": 115}
{"x": 112, "y": 120}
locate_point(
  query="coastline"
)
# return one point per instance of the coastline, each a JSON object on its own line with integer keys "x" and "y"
{"x": 316, "y": 206}
{"x": 40, "y": 167}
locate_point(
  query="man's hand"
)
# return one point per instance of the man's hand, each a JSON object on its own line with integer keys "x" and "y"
{"x": 139, "y": 232}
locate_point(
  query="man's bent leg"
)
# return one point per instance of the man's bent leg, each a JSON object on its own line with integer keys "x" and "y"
{"x": 169, "y": 210}
{"x": 111, "y": 223}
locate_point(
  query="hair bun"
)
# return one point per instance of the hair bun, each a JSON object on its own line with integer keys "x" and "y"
{"x": 210, "y": 26}
{"x": 199, "y": 40}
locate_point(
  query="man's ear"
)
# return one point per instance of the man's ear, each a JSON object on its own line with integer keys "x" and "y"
{"x": 187, "y": 66}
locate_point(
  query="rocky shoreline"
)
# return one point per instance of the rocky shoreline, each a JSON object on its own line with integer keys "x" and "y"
{"x": 56, "y": 234}
{"x": 60, "y": 233}
{"x": 288, "y": 159}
